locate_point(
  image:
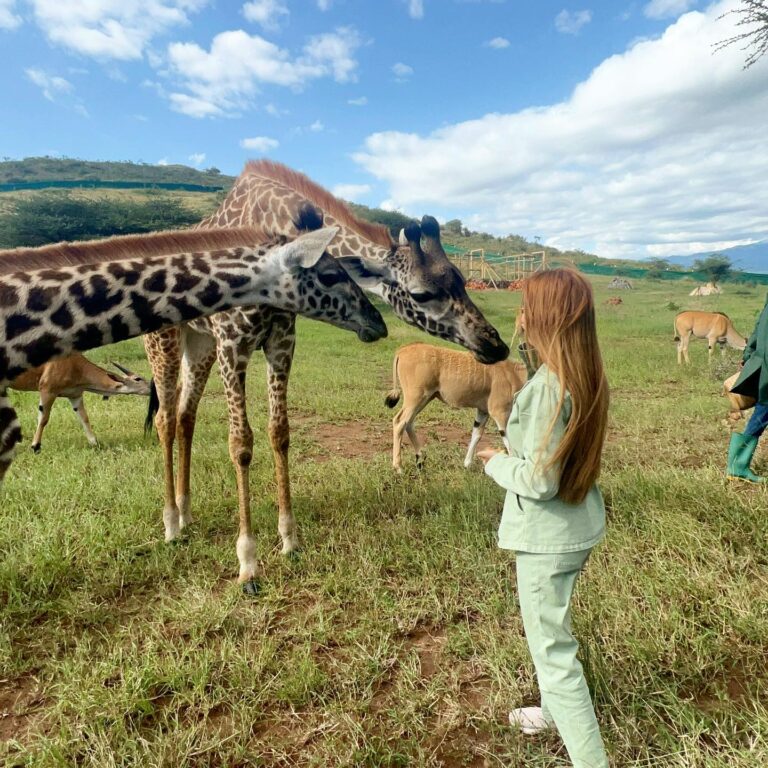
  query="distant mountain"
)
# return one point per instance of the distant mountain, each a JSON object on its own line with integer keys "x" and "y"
{"x": 749, "y": 258}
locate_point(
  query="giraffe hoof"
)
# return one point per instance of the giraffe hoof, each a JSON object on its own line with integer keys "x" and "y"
{"x": 36, "y": 448}
{"x": 251, "y": 588}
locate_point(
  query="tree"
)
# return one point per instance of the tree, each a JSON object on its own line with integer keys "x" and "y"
{"x": 454, "y": 226}
{"x": 656, "y": 268}
{"x": 753, "y": 14}
{"x": 716, "y": 267}
{"x": 53, "y": 216}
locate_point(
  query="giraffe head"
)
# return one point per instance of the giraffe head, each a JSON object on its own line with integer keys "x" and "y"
{"x": 427, "y": 291}
{"x": 422, "y": 286}
{"x": 309, "y": 282}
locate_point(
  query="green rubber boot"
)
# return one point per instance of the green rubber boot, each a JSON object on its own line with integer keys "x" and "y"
{"x": 740, "y": 452}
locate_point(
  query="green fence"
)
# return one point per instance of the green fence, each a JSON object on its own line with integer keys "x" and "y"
{"x": 15, "y": 186}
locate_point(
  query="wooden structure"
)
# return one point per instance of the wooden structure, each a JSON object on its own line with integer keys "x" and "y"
{"x": 474, "y": 265}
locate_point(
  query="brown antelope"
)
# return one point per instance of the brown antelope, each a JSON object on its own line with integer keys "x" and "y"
{"x": 426, "y": 372}
{"x": 70, "y": 377}
{"x": 715, "y": 327}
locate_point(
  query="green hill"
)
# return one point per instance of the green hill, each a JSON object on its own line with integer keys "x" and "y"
{"x": 35, "y": 169}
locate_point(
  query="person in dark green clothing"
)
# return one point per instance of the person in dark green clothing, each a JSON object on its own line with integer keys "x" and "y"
{"x": 554, "y": 514}
{"x": 752, "y": 382}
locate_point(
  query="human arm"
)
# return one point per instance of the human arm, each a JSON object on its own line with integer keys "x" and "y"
{"x": 525, "y": 474}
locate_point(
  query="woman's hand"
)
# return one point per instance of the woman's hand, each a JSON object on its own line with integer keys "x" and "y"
{"x": 486, "y": 454}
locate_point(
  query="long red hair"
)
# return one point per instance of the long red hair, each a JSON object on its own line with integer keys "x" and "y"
{"x": 560, "y": 324}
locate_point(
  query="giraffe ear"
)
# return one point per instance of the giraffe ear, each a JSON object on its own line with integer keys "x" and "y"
{"x": 372, "y": 276}
{"x": 305, "y": 251}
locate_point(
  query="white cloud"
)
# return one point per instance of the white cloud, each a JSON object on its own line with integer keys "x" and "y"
{"x": 8, "y": 18}
{"x": 351, "y": 191}
{"x": 163, "y": 161}
{"x": 663, "y": 9}
{"x": 224, "y": 79}
{"x": 498, "y": 42}
{"x": 50, "y": 85}
{"x": 361, "y": 101}
{"x": 197, "y": 158}
{"x": 267, "y": 13}
{"x": 571, "y": 22}
{"x": 317, "y": 127}
{"x": 260, "y": 144}
{"x": 415, "y": 8}
{"x": 275, "y": 111}
{"x": 110, "y": 29}
{"x": 679, "y": 157}
{"x": 324, "y": 5}
{"x": 402, "y": 71}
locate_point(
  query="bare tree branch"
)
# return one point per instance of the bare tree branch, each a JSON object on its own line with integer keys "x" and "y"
{"x": 752, "y": 14}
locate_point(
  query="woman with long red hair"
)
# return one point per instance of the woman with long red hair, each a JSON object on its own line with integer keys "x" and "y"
{"x": 553, "y": 512}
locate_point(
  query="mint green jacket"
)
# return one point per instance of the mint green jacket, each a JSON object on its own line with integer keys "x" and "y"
{"x": 534, "y": 518}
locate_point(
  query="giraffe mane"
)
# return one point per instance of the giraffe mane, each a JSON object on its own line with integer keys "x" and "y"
{"x": 122, "y": 248}
{"x": 304, "y": 186}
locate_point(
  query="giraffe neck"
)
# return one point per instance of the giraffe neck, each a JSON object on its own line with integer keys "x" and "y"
{"x": 50, "y": 313}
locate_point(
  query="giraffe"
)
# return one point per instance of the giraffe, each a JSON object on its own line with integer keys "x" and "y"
{"x": 420, "y": 284}
{"x": 69, "y": 297}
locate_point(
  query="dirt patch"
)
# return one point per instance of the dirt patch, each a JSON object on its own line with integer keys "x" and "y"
{"x": 20, "y": 703}
{"x": 428, "y": 644}
{"x": 361, "y": 440}
{"x": 732, "y": 688}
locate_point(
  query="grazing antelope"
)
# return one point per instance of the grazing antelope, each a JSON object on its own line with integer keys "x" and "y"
{"x": 715, "y": 327}
{"x": 426, "y": 372}
{"x": 70, "y": 377}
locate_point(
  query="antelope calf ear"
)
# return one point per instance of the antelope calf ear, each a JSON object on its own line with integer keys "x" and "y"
{"x": 305, "y": 251}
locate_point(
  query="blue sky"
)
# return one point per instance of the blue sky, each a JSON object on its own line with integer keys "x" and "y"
{"x": 609, "y": 126}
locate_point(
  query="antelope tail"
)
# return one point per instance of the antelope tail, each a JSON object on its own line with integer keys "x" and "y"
{"x": 674, "y": 327}
{"x": 394, "y": 394}
{"x": 154, "y": 407}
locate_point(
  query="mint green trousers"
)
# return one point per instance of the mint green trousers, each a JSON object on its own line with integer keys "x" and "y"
{"x": 545, "y": 584}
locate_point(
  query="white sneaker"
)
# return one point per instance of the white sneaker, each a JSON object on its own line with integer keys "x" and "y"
{"x": 529, "y": 720}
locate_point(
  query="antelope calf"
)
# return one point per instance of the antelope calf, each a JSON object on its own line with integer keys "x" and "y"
{"x": 70, "y": 377}
{"x": 715, "y": 327}
{"x": 426, "y": 372}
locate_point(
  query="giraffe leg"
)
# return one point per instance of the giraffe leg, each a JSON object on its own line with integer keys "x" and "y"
{"x": 278, "y": 349}
{"x": 481, "y": 419}
{"x": 10, "y": 433}
{"x": 78, "y": 406}
{"x": 233, "y": 361}
{"x": 199, "y": 354}
{"x": 164, "y": 355}
{"x": 43, "y": 416}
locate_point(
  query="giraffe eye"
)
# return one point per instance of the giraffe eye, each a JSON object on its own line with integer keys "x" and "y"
{"x": 422, "y": 297}
{"x": 329, "y": 279}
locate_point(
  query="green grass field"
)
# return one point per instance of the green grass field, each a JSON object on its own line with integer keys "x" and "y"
{"x": 394, "y": 638}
